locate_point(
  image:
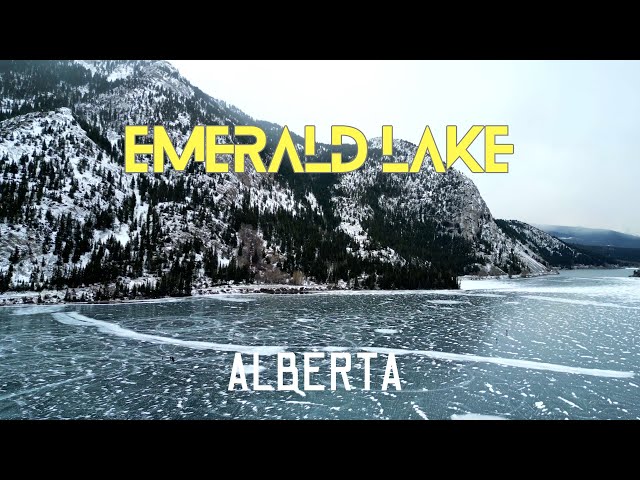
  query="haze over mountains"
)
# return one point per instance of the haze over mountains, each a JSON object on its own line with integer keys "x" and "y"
{"x": 592, "y": 236}
{"x": 609, "y": 245}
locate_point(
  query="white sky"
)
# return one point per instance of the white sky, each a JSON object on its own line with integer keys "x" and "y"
{"x": 573, "y": 123}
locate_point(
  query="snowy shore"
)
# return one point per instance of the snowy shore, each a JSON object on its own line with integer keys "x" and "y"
{"x": 57, "y": 297}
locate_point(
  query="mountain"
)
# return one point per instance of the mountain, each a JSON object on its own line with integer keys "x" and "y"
{"x": 71, "y": 218}
{"x": 606, "y": 246}
{"x": 548, "y": 248}
{"x": 592, "y": 236}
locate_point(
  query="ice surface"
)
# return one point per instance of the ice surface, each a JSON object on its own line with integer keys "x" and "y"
{"x": 568, "y": 402}
{"x": 494, "y": 353}
{"x": 34, "y": 310}
{"x": 475, "y": 416}
{"x": 509, "y": 362}
{"x": 579, "y": 302}
{"x": 73, "y": 318}
{"x": 598, "y": 285}
{"x": 420, "y": 413}
{"x": 447, "y": 302}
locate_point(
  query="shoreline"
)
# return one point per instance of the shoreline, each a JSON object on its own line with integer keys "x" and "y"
{"x": 53, "y": 297}
{"x": 506, "y": 276}
{"x": 57, "y": 297}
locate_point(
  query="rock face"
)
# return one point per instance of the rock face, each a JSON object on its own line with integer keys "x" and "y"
{"x": 71, "y": 217}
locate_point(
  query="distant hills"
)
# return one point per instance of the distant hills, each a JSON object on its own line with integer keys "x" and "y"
{"x": 592, "y": 236}
{"x": 609, "y": 244}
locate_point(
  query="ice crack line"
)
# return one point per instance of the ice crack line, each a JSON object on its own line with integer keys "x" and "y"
{"x": 73, "y": 318}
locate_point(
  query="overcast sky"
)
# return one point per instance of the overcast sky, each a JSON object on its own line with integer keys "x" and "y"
{"x": 573, "y": 124}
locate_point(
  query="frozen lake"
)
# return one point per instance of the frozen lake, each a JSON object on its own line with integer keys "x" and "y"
{"x": 556, "y": 347}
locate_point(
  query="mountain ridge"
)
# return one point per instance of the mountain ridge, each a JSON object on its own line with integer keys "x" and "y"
{"x": 551, "y": 249}
{"x": 599, "y": 237}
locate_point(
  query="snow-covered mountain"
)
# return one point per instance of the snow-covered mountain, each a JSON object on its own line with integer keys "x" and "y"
{"x": 70, "y": 216}
{"x": 545, "y": 247}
